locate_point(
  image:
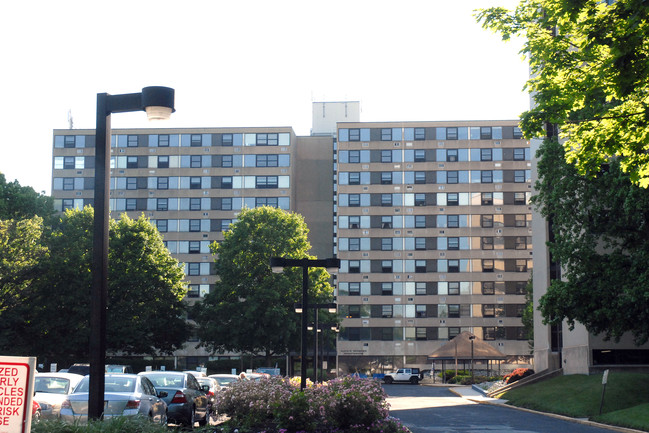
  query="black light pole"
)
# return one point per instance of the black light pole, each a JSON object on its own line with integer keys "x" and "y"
{"x": 158, "y": 102}
{"x": 471, "y": 338}
{"x": 277, "y": 265}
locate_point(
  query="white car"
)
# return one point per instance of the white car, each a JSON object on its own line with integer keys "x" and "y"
{"x": 52, "y": 389}
{"x": 224, "y": 379}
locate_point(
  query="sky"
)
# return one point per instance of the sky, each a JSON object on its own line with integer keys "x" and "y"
{"x": 245, "y": 63}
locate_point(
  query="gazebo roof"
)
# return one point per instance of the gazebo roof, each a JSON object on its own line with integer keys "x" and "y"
{"x": 460, "y": 348}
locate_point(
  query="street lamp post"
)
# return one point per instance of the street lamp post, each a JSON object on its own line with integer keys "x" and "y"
{"x": 471, "y": 338}
{"x": 332, "y": 309}
{"x": 158, "y": 102}
{"x": 277, "y": 265}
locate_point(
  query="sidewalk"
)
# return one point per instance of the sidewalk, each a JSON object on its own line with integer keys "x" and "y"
{"x": 472, "y": 394}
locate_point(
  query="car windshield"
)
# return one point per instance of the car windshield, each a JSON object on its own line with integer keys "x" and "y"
{"x": 204, "y": 381}
{"x": 225, "y": 381}
{"x": 52, "y": 385}
{"x": 167, "y": 380}
{"x": 111, "y": 384}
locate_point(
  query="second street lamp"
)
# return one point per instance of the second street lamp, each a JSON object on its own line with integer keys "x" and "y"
{"x": 158, "y": 102}
{"x": 277, "y": 265}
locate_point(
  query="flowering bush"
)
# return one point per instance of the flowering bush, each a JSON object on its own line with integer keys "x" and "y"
{"x": 347, "y": 404}
{"x": 517, "y": 374}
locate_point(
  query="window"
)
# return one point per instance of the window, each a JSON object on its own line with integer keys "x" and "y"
{"x": 451, "y": 177}
{"x": 420, "y": 155}
{"x": 386, "y": 266}
{"x": 131, "y": 162}
{"x": 486, "y": 221}
{"x": 194, "y": 182}
{"x": 453, "y": 265}
{"x": 386, "y": 244}
{"x": 453, "y": 287}
{"x": 488, "y": 288}
{"x": 420, "y": 133}
{"x": 131, "y": 204}
{"x": 486, "y": 155}
{"x": 518, "y": 134}
{"x": 162, "y": 204}
{"x": 420, "y": 288}
{"x": 196, "y": 140}
{"x": 386, "y": 199}
{"x": 131, "y": 183}
{"x": 453, "y": 310}
{"x": 163, "y": 183}
{"x": 420, "y": 334}
{"x": 354, "y": 222}
{"x": 420, "y": 221}
{"x": 67, "y": 203}
{"x": 354, "y": 289}
{"x": 420, "y": 243}
{"x": 520, "y": 220}
{"x": 451, "y": 133}
{"x": 386, "y": 311}
{"x": 420, "y": 266}
{"x": 487, "y": 265}
{"x": 420, "y": 199}
{"x": 452, "y": 199}
{"x": 354, "y": 267}
{"x": 226, "y": 140}
{"x": 420, "y": 311}
{"x": 488, "y": 310}
{"x": 267, "y": 160}
{"x": 453, "y": 243}
{"x": 354, "y": 156}
{"x": 386, "y": 289}
{"x": 488, "y": 243}
{"x": 194, "y": 247}
{"x": 266, "y": 182}
{"x": 163, "y": 161}
{"x": 519, "y": 154}
{"x": 354, "y": 134}
{"x": 354, "y": 244}
{"x": 521, "y": 265}
{"x": 519, "y": 176}
{"x": 226, "y": 182}
{"x": 386, "y": 134}
{"x": 194, "y": 204}
{"x": 267, "y": 201}
{"x": 193, "y": 291}
{"x": 486, "y": 176}
{"x": 68, "y": 162}
{"x": 451, "y": 155}
{"x": 521, "y": 287}
{"x": 267, "y": 139}
{"x": 386, "y": 178}
{"x": 163, "y": 140}
{"x": 68, "y": 183}
{"x": 521, "y": 243}
{"x": 485, "y": 133}
{"x": 386, "y": 156}
{"x": 194, "y": 225}
{"x": 131, "y": 140}
{"x": 519, "y": 198}
{"x": 420, "y": 177}
{"x": 355, "y": 178}
{"x": 487, "y": 198}
{"x": 162, "y": 225}
{"x": 195, "y": 161}
{"x": 354, "y": 200}
{"x": 386, "y": 222}
{"x": 226, "y": 203}
{"x": 194, "y": 268}
{"x": 453, "y": 221}
{"x": 69, "y": 141}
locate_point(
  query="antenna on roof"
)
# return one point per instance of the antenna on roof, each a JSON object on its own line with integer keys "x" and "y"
{"x": 70, "y": 119}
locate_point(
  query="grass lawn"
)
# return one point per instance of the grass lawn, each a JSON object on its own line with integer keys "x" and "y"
{"x": 626, "y": 400}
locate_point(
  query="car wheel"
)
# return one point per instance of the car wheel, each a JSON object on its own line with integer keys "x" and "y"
{"x": 192, "y": 420}
{"x": 414, "y": 380}
{"x": 387, "y": 380}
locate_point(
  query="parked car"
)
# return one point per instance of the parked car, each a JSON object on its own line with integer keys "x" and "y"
{"x": 37, "y": 414}
{"x": 52, "y": 389}
{"x": 114, "y": 368}
{"x": 187, "y": 403}
{"x": 124, "y": 395}
{"x": 210, "y": 387}
{"x": 224, "y": 379}
{"x": 82, "y": 369}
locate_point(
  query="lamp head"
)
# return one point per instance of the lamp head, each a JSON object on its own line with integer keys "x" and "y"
{"x": 277, "y": 265}
{"x": 158, "y": 102}
{"x": 332, "y": 265}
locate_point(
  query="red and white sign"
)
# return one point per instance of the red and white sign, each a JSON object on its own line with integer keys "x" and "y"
{"x": 16, "y": 391}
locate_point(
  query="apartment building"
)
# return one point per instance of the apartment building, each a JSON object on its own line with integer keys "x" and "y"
{"x": 192, "y": 183}
{"x": 434, "y": 236}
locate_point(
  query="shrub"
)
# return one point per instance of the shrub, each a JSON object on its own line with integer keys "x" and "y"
{"x": 277, "y": 404}
{"x": 517, "y": 374}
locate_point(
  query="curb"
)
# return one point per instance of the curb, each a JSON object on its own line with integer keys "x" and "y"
{"x": 552, "y": 415}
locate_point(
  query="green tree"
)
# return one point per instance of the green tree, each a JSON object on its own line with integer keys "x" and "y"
{"x": 589, "y": 64}
{"x": 145, "y": 292}
{"x": 20, "y": 202}
{"x": 601, "y": 238}
{"x": 251, "y": 309}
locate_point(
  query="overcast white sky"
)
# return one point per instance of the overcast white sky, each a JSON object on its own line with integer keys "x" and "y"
{"x": 245, "y": 63}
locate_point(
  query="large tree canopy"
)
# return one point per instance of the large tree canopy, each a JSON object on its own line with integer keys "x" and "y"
{"x": 21, "y": 202}
{"x": 600, "y": 232}
{"x": 589, "y": 63}
{"x": 251, "y": 309}
{"x": 145, "y": 307}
